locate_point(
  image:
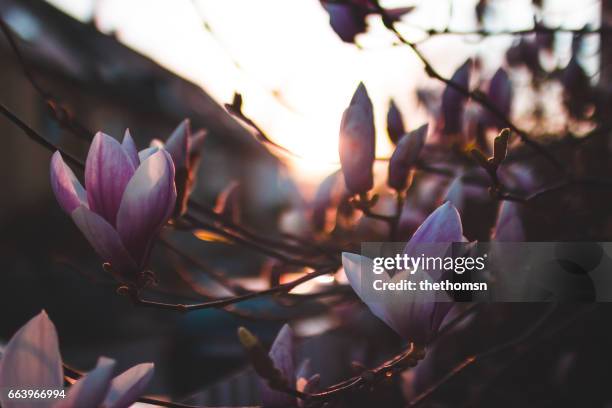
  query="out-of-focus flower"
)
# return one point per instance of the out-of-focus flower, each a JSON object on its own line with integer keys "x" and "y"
{"x": 395, "y": 123}
{"x": 357, "y": 142}
{"x": 577, "y": 92}
{"x": 480, "y": 10}
{"x": 185, "y": 149}
{"x": 525, "y": 53}
{"x": 453, "y": 102}
{"x": 509, "y": 226}
{"x": 282, "y": 354}
{"x": 416, "y": 315}
{"x": 326, "y": 196}
{"x": 468, "y": 187}
{"x": 348, "y": 19}
{"x": 32, "y": 361}
{"x": 518, "y": 177}
{"x": 500, "y": 94}
{"x": 129, "y": 197}
{"x": 545, "y": 39}
{"x": 405, "y": 157}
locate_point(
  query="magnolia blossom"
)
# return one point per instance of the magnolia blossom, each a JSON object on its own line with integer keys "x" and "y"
{"x": 414, "y": 315}
{"x": 282, "y": 354}
{"x": 128, "y": 197}
{"x": 185, "y": 149}
{"x": 405, "y": 157}
{"x": 32, "y": 361}
{"x": 357, "y": 142}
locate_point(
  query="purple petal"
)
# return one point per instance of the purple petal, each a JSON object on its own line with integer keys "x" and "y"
{"x": 91, "y": 389}
{"x": 468, "y": 188}
{"x": 68, "y": 191}
{"x": 453, "y": 101}
{"x": 500, "y": 94}
{"x": 282, "y": 354}
{"x": 147, "y": 204}
{"x": 31, "y": 360}
{"x": 144, "y": 154}
{"x": 104, "y": 239}
{"x": 405, "y": 157}
{"x": 509, "y": 226}
{"x": 442, "y": 226}
{"x": 346, "y": 20}
{"x": 107, "y": 172}
{"x": 395, "y": 123}
{"x": 126, "y": 388}
{"x": 130, "y": 148}
{"x": 178, "y": 145}
{"x": 397, "y": 13}
{"x": 197, "y": 142}
{"x": 357, "y": 142}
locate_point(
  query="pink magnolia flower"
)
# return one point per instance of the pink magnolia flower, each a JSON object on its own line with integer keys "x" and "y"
{"x": 129, "y": 196}
{"x": 282, "y": 354}
{"x": 185, "y": 149}
{"x": 32, "y": 361}
{"x": 414, "y": 315}
{"x": 357, "y": 142}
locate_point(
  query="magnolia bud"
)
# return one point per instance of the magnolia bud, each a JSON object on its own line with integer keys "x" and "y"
{"x": 357, "y": 143}
{"x": 405, "y": 157}
{"x": 395, "y": 124}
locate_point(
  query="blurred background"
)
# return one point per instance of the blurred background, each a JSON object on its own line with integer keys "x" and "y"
{"x": 148, "y": 64}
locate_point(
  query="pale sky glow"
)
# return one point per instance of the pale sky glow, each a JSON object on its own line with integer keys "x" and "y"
{"x": 295, "y": 74}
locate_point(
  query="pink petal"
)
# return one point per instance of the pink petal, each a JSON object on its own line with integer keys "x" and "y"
{"x": 91, "y": 389}
{"x": 126, "y": 388}
{"x": 442, "y": 226}
{"x": 509, "y": 226}
{"x": 108, "y": 170}
{"x": 130, "y": 148}
{"x": 68, "y": 191}
{"x": 147, "y": 204}
{"x": 31, "y": 360}
{"x": 178, "y": 144}
{"x": 104, "y": 239}
{"x": 144, "y": 154}
{"x": 282, "y": 354}
{"x": 197, "y": 141}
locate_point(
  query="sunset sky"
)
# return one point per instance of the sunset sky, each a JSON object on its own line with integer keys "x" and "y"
{"x": 295, "y": 74}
